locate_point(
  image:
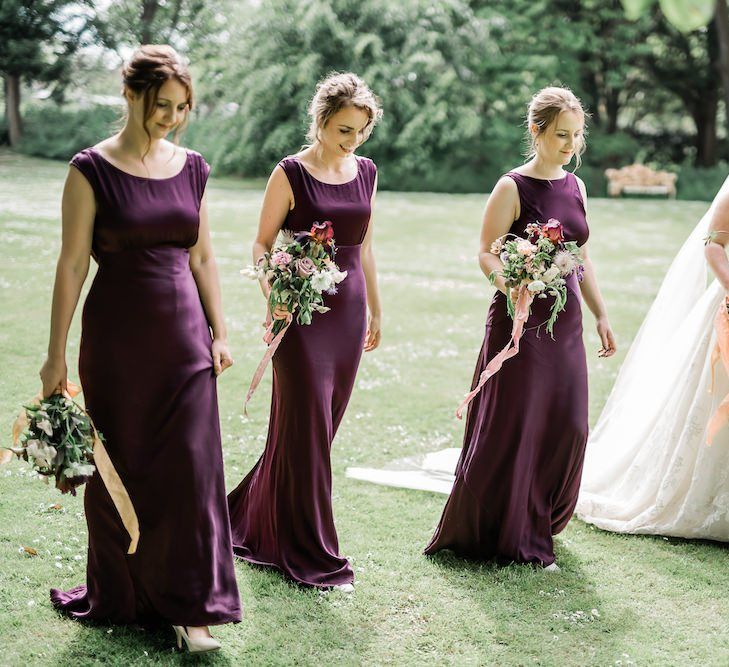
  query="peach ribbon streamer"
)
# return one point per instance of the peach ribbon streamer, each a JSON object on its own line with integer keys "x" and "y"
{"x": 109, "y": 475}
{"x": 721, "y": 351}
{"x": 521, "y": 314}
{"x": 273, "y": 342}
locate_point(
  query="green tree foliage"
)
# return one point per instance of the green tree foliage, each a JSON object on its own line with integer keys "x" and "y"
{"x": 37, "y": 40}
{"x": 132, "y": 22}
{"x": 684, "y": 15}
{"x": 454, "y": 84}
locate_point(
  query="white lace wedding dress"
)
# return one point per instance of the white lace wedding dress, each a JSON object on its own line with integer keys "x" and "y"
{"x": 648, "y": 468}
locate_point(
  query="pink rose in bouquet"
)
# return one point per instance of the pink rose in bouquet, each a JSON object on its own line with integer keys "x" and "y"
{"x": 281, "y": 258}
{"x": 304, "y": 267}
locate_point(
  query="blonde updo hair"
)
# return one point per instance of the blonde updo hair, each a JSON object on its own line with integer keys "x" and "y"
{"x": 543, "y": 110}
{"x": 339, "y": 91}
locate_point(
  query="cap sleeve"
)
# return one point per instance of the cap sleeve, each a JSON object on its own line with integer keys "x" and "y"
{"x": 292, "y": 169}
{"x": 84, "y": 162}
{"x": 200, "y": 173}
{"x": 370, "y": 172}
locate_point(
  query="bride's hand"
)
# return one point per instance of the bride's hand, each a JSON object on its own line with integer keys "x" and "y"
{"x": 607, "y": 338}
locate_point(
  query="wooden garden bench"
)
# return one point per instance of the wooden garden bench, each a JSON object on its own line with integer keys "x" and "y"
{"x": 642, "y": 180}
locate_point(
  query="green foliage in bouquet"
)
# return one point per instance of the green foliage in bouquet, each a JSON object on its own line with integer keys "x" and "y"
{"x": 539, "y": 263}
{"x": 56, "y": 436}
{"x": 300, "y": 269}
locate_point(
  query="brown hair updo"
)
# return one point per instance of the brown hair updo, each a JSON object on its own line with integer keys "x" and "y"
{"x": 339, "y": 91}
{"x": 543, "y": 110}
{"x": 149, "y": 67}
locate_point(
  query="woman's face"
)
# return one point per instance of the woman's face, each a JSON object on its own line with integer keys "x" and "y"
{"x": 344, "y": 132}
{"x": 170, "y": 110}
{"x": 562, "y": 139}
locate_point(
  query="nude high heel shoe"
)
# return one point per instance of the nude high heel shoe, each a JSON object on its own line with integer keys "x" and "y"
{"x": 196, "y": 645}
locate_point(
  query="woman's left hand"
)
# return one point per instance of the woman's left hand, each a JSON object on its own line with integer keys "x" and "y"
{"x": 222, "y": 358}
{"x": 607, "y": 338}
{"x": 372, "y": 339}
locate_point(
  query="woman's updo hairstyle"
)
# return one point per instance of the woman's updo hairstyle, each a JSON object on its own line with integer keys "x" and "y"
{"x": 543, "y": 110}
{"x": 339, "y": 91}
{"x": 149, "y": 67}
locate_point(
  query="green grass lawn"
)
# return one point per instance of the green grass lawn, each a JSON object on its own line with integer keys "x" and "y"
{"x": 619, "y": 600}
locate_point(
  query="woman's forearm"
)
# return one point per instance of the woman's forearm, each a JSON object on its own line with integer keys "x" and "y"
{"x": 208, "y": 286}
{"x": 716, "y": 257}
{"x": 591, "y": 292}
{"x": 66, "y": 291}
{"x": 490, "y": 263}
{"x": 369, "y": 267}
{"x": 259, "y": 250}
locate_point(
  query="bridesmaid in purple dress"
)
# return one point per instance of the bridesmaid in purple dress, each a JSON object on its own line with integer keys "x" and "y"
{"x": 281, "y": 513}
{"x": 153, "y": 340}
{"x": 519, "y": 472}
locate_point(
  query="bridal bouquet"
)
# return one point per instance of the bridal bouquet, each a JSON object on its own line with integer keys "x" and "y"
{"x": 537, "y": 267}
{"x": 56, "y": 436}
{"x": 538, "y": 264}
{"x": 300, "y": 269}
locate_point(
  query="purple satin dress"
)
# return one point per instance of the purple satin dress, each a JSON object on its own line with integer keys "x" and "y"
{"x": 148, "y": 381}
{"x": 281, "y": 513}
{"x": 519, "y": 472}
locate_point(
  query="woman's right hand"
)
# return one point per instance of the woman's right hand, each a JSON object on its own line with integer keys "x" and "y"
{"x": 54, "y": 376}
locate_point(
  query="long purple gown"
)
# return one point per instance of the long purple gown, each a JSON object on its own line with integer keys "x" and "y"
{"x": 147, "y": 374}
{"x": 281, "y": 513}
{"x": 519, "y": 472}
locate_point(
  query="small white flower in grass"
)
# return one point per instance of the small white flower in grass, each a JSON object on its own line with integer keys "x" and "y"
{"x": 59, "y": 565}
{"x": 31, "y": 603}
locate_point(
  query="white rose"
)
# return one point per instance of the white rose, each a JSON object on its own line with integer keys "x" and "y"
{"x": 536, "y": 286}
{"x": 321, "y": 281}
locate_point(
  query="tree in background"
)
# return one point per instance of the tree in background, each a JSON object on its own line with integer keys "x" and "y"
{"x": 37, "y": 42}
{"x": 180, "y": 23}
{"x": 455, "y": 83}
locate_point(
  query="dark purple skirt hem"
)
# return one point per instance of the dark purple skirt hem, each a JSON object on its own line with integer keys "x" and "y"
{"x": 67, "y": 608}
{"x": 286, "y": 573}
{"x": 431, "y": 550}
